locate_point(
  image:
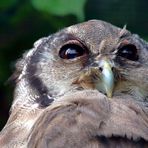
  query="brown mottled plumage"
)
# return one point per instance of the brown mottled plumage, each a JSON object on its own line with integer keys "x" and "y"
{"x": 85, "y": 86}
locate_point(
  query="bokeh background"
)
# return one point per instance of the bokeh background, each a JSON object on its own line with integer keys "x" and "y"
{"x": 24, "y": 21}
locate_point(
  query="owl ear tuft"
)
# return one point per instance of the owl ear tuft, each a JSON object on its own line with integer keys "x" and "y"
{"x": 123, "y": 33}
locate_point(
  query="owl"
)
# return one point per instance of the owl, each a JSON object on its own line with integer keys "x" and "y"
{"x": 85, "y": 86}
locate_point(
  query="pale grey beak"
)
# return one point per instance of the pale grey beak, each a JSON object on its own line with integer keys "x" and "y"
{"x": 107, "y": 78}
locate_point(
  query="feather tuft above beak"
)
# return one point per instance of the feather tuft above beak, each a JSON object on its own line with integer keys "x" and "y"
{"x": 100, "y": 77}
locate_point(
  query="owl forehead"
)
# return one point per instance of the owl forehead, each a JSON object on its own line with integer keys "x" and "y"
{"x": 97, "y": 34}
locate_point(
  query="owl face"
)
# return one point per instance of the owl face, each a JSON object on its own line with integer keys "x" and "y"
{"x": 91, "y": 55}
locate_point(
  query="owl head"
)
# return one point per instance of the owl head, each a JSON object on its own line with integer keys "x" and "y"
{"x": 91, "y": 55}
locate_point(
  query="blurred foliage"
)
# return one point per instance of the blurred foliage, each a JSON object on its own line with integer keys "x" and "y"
{"x": 23, "y": 22}
{"x": 61, "y": 7}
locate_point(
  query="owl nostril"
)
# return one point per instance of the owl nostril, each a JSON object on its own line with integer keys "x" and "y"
{"x": 112, "y": 68}
{"x": 101, "y": 69}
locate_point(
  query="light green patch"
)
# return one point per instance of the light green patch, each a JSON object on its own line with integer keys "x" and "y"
{"x": 61, "y": 7}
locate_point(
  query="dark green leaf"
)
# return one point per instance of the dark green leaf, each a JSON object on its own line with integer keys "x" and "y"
{"x": 5, "y": 4}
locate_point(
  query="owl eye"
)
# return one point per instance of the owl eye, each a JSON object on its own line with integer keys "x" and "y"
{"x": 71, "y": 51}
{"x": 128, "y": 52}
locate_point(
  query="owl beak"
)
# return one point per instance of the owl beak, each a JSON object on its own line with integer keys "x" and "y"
{"x": 107, "y": 77}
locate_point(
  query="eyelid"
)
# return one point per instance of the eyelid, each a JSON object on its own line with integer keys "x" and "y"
{"x": 76, "y": 42}
{"x": 126, "y": 45}
{"x": 124, "y": 42}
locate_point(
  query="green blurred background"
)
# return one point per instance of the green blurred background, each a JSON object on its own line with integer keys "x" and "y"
{"x": 24, "y": 21}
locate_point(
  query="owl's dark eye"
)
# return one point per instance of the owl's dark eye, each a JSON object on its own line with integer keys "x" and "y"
{"x": 128, "y": 52}
{"x": 71, "y": 51}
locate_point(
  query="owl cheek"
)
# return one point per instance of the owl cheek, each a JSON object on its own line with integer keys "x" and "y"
{"x": 85, "y": 80}
{"x": 86, "y": 84}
